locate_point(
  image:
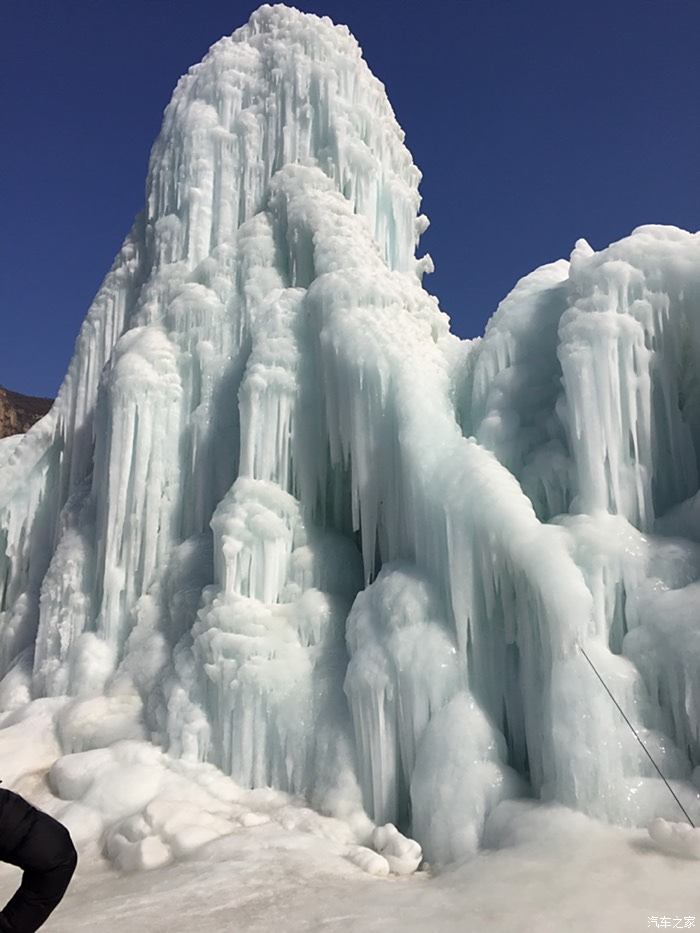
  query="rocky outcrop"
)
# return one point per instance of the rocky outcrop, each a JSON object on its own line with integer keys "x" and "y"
{"x": 19, "y": 412}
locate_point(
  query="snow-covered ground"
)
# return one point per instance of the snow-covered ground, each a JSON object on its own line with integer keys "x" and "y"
{"x": 557, "y": 870}
{"x": 197, "y": 852}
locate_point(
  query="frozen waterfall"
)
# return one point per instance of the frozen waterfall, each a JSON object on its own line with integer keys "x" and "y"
{"x": 304, "y": 533}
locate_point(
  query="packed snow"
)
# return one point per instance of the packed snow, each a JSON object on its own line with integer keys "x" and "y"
{"x": 290, "y": 565}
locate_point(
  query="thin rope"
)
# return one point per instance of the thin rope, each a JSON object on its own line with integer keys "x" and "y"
{"x": 634, "y": 732}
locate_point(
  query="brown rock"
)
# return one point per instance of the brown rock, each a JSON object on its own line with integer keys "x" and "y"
{"x": 19, "y": 412}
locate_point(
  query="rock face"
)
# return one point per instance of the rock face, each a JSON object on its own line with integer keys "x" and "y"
{"x": 19, "y": 412}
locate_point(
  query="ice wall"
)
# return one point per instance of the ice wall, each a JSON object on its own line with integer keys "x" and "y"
{"x": 316, "y": 539}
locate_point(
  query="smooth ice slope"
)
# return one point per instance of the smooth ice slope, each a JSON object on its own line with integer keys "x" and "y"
{"x": 281, "y": 521}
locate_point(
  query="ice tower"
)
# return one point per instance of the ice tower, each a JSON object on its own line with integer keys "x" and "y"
{"x": 321, "y": 542}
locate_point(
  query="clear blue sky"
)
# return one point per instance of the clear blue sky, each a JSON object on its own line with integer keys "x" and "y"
{"x": 534, "y": 122}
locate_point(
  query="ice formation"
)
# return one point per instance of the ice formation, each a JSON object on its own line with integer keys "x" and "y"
{"x": 281, "y": 522}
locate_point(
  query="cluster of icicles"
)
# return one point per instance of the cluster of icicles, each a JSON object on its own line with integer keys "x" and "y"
{"x": 329, "y": 546}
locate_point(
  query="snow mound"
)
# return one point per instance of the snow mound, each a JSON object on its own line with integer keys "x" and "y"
{"x": 144, "y": 809}
{"x": 676, "y": 838}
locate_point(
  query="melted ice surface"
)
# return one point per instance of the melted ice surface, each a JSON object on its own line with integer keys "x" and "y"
{"x": 281, "y": 522}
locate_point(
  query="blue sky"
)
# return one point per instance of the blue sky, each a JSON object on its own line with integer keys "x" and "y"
{"x": 534, "y": 122}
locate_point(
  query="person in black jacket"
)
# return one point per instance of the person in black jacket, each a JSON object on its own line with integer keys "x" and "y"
{"x": 44, "y": 850}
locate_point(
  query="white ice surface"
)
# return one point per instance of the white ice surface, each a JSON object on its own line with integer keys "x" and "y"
{"x": 556, "y": 870}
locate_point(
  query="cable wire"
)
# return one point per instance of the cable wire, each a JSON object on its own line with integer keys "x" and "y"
{"x": 634, "y": 732}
